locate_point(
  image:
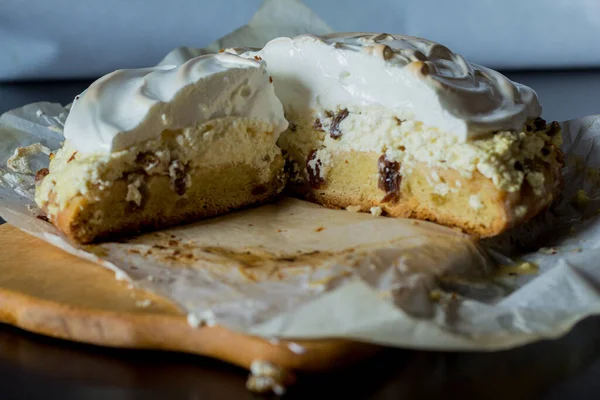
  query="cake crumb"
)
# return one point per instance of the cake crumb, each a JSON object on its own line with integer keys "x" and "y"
{"x": 353, "y": 208}
{"x": 319, "y": 229}
{"x": 296, "y": 348}
{"x": 475, "y": 202}
{"x": 520, "y": 211}
{"x": 435, "y": 295}
{"x": 266, "y": 377}
{"x": 193, "y": 320}
{"x": 19, "y": 161}
{"x": 120, "y": 275}
{"x": 580, "y": 198}
{"x": 548, "y": 250}
{"x": 376, "y": 211}
{"x": 143, "y": 303}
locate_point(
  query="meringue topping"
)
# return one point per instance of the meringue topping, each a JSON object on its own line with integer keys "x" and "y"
{"x": 127, "y": 107}
{"x": 414, "y": 78}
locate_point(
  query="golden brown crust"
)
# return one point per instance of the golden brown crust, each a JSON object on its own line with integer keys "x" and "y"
{"x": 352, "y": 180}
{"x": 213, "y": 191}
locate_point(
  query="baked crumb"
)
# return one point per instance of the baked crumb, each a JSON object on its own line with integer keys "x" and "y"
{"x": 266, "y": 377}
{"x": 520, "y": 211}
{"x": 376, "y": 211}
{"x": 475, "y": 202}
{"x": 19, "y": 161}
{"x": 548, "y": 250}
{"x": 580, "y": 198}
{"x": 353, "y": 208}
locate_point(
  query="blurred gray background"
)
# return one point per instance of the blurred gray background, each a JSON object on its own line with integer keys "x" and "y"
{"x": 41, "y": 39}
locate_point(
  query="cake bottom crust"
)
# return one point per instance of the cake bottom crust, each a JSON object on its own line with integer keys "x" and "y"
{"x": 473, "y": 204}
{"x": 211, "y": 191}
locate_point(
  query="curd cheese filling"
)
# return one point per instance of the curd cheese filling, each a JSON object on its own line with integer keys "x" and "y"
{"x": 408, "y": 98}
{"x": 212, "y": 110}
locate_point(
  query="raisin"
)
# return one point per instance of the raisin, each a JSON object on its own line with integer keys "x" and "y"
{"x": 334, "y": 129}
{"x": 41, "y": 174}
{"x": 518, "y": 166}
{"x": 389, "y": 179}
{"x": 554, "y": 128}
{"x": 539, "y": 124}
{"x": 317, "y": 125}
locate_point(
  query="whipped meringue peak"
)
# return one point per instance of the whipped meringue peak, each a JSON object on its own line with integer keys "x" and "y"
{"x": 415, "y": 78}
{"x": 127, "y": 107}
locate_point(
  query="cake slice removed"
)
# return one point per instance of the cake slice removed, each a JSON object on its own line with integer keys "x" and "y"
{"x": 402, "y": 126}
{"x": 150, "y": 148}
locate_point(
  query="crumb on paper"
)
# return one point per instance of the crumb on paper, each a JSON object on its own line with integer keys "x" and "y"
{"x": 519, "y": 268}
{"x": 353, "y": 208}
{"x": 266, "y": 377}
{"x": 263, "y": 385}
{"x": 19, "y": 161}
{"x": 580, "y": 198}
{"x": 193, "y": 320}
{"x": 521, "y": 211}
{"x": 143, "y": 303}
{"x": 120, "y": 275}
{"x": 528, "y": 267}
{"x": 376, "y": 211}
{"x": 435, "y": 295}
{"x": 548, "y": 250}
{"x": 576, "y": 250}
{"x": 150, "y": 278}
{"x": 274, "y": 341}
{"x": 319, "y": 229}
{"x": 296, "y": 348}
{"x": 205, "y": 318}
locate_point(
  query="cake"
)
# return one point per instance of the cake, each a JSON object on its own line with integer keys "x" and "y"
{"x": 403, "y": 126}
{"x": 154, "y": 147}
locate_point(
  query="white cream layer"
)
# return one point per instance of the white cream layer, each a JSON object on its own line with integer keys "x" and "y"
{"x": 128, "y": 107}
{"x": 413, "y": 78}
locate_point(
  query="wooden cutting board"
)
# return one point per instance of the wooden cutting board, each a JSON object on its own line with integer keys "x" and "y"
{"x": 50, "y": 292}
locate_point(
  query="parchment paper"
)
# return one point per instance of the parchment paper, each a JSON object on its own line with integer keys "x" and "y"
{"x": 293, "y": 269}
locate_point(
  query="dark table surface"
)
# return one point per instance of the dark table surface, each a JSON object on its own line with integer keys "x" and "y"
{"x": 33, "y": 367}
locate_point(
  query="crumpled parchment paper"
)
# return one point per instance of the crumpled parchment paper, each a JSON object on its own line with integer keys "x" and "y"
{"x": 296, "y": 270}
